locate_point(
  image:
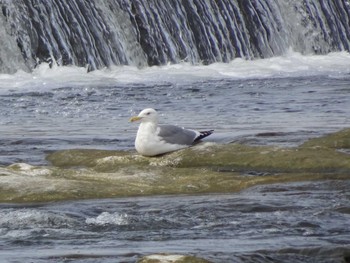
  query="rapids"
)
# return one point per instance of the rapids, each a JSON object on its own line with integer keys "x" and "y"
{"x": 295, "y": 222}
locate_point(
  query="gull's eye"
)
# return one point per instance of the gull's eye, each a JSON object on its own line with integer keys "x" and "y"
{"x": 148, "y": 113}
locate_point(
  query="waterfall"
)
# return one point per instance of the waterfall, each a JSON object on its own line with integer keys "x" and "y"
{"x": 102, "y": 33}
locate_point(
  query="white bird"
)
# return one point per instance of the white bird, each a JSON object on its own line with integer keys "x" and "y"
{"x": 153, "y": 139}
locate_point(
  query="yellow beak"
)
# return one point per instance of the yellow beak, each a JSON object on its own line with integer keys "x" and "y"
{"x": 135, "y": 118}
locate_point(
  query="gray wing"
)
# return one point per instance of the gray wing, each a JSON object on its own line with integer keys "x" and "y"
{"x": 176, "y": 135}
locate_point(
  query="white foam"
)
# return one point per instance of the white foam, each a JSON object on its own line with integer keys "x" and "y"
{"x": 30, "y": 170}
{"x": 25, "y": 218}
{"x": 292, "y": 64}
{"x": 289, "y": 65}
{"x": 164, "y": 258}
{"x": 107, "y": 218}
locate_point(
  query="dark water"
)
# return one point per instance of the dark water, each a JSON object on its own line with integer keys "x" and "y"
{"x": 299, "y": 222}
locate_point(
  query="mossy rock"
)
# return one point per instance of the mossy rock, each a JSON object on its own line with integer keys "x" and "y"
{"x": 205, "y": 168}
{"x": 337, "y": 140}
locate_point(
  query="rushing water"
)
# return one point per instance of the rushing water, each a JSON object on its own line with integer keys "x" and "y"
{"x": 302, "y": 222}
{"x": 279, "y": 101}
{"x": 132, "y": 32}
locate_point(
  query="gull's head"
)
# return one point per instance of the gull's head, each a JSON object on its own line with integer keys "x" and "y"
{"x": 147, "y": 115}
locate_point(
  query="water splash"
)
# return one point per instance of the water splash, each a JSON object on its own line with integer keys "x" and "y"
{"x": 106, "y": 218}
{"x": 292, "y": 64}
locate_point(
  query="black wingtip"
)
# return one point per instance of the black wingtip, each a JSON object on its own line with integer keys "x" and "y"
{"x": 203, "y": 134}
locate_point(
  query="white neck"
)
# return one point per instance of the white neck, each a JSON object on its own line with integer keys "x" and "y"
{"x": 149, "y": 126}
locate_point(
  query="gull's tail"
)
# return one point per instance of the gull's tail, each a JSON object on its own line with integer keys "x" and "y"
{"x": 202, "y": 135}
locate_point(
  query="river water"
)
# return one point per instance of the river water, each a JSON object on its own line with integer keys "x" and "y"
{"x": 301, "y": 222}
{"x": 52, "y": 109}
{"x": 281, "y": 101}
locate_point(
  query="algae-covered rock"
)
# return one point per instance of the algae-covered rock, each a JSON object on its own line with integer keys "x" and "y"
{"x": 337, "y": 140}
{"x": 171, "y": 258}
{"x": 269, "y": 159}
{"x": 80, "y": 157}
{"x": 231, "y": 157}
{"x": 204, "y": 168}
{"x": 317, "y": 155}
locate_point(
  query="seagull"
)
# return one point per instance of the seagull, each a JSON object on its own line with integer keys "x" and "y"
{"x": 153, "y": 139}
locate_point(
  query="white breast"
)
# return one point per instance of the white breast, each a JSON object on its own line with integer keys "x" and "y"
{"x": 148, "y": 143}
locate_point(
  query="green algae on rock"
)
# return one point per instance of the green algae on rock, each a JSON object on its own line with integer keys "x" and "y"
{"x": 337, "y": 140}
{"x": 316, "y": 155}
{"x": 205, "y": 168}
